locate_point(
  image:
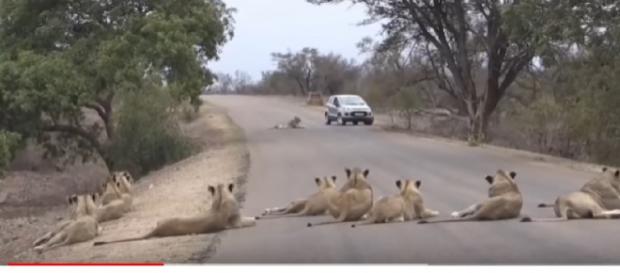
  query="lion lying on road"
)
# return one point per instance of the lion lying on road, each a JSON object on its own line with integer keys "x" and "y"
{"x": 352, "y": 201}
{"x": 315, "y": 204}
{"x": 405, "y": 206}
{"x": 505, "y": 202}
{"x": 589, "y": 202}
{"x": 292, "y": 124}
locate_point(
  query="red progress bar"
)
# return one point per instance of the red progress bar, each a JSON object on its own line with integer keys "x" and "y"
{"x": 85, "y": 264}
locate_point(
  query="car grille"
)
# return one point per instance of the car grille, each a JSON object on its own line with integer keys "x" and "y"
{"x": 359, "y": 114}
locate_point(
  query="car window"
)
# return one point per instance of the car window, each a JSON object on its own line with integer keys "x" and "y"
{"x": 352, "y": 100}
{"x": 336, "y": 102}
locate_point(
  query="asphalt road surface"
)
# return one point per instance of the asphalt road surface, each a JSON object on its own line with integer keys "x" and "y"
{"x": 285, "y": 162}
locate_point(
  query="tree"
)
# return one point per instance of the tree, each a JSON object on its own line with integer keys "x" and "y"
{"x": 586, "y": 80}
{"x": 300, "y": 67}
{"x": 224, "y": 83}
{"x": 388, "y": 72}
{"x": 60, "y": 58}
{"x": 503, "y": 36}
{"x": 241, "y": 82}
{"x": 276, "y": 82}
{"x": 312, "y": 71}
{"x": 335, "y": 74}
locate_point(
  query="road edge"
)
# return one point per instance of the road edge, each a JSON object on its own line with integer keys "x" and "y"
{"x": 534, "y": 156}
{"x": 238, "y": 137}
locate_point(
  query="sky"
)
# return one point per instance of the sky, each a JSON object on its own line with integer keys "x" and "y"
{"x": 266, "y": 26}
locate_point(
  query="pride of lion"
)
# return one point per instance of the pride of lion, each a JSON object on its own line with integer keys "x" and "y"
{"x": 353, "y": 202}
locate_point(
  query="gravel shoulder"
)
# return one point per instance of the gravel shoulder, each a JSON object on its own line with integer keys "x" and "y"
{"x": 177, "y": 190}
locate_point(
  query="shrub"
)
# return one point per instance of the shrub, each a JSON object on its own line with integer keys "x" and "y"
{"x": 147, "y": 136}
{"x": 406, "y": 104}
{"x": 9, "y": 142}
{"x": 188, "y": 112}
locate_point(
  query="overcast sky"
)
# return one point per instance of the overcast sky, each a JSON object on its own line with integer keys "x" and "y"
{"x": 266, "y": 26}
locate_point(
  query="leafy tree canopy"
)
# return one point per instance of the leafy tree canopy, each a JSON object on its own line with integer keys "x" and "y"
{"x": 59, "y": 57}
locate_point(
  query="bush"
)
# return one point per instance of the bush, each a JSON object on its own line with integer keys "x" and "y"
{"x": 188, "y": 111}
{"x": 9, "y": 142}
{"x": 405, "y": 104}
{"x": 543, "y": 124}
{"x": 147, "y": 136}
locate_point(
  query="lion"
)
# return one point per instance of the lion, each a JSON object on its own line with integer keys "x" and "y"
{"x": 292, "y": 124}
{"x": 109, "y": 193}
{"x": 126, "y": 181}
{"x": 505, "y": 202}
{"x": 352, "y": 201}
{"x": 85, "y": 227}
{"x": 116, "y": 208}
{"x": 123, "y": 189}
{"x": 77, "y": 208}
{"x": 224, "y": 214}
{"x": 405, "y": 206}
{"x": 315, "y": 204}
{"x": 605, "y": 187}
{"x": 587, "y": 203}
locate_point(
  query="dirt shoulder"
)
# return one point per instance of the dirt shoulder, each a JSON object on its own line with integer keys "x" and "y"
{"x": 177, "y": 190}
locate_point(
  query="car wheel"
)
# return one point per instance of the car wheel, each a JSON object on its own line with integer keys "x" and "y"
{"x": 355, "y": 122}
{"x": 368, "y": 122}
{"x": 328, "y": 121}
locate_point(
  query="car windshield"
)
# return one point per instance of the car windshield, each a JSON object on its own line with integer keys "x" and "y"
{"x": 352, "y": 101}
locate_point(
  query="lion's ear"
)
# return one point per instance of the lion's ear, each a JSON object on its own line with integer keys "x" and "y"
{"x": 489, "y": 179}
{"x": 212, "y": 190}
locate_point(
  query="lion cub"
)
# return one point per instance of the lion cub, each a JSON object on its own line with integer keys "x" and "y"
{"x": 505, "y": 202}
{"x": 405, "y": 206}
{"x": 586, "y": 203}
{"x": 352, "y": 201}
{"x": 83, "y": 228}
{"x": 315, "y": 204}
{"x": 224, "y": 214}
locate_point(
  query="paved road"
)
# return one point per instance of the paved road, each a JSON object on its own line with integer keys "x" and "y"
{"x": 284, "y": 163}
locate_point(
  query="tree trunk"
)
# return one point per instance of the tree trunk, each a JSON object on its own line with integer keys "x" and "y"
{"x": 478, "y": 125}
{"x": 100, "y": 148}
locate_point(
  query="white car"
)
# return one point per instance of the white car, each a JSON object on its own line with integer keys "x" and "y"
{"x": 348, "y": 108}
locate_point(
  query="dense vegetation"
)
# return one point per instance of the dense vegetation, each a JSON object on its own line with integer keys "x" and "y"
{"x": 71, "y": 73}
